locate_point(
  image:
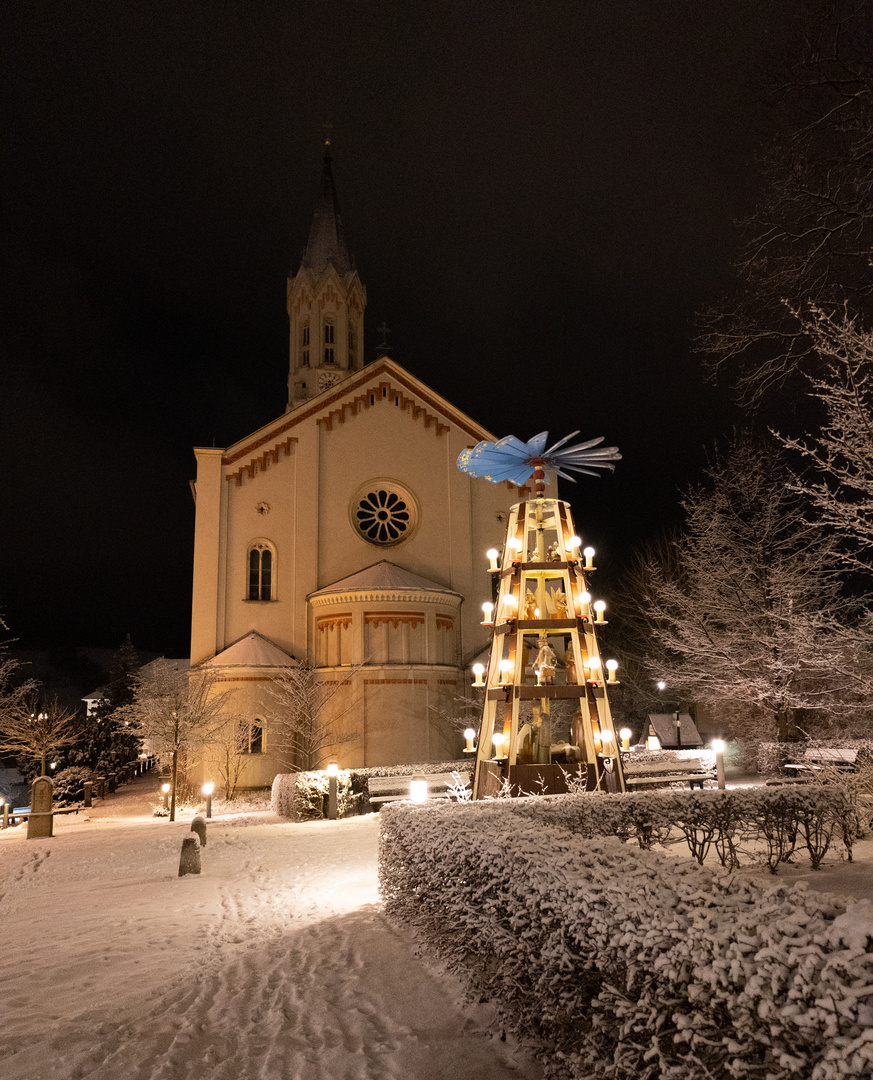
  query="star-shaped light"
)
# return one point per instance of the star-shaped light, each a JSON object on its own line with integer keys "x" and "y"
{"x": 513, "y": 460}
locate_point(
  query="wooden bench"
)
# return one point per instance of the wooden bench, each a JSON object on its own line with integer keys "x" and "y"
{"x": 689, "y": 771}
{"x": 827, "y": 758}
{"x": 22, "y": 813}
{"x": 384, "y": 789}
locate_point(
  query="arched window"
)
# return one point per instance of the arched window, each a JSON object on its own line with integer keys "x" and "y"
{"x": 260, "y": 571}
{"x": 328, "y": 331}
{"x": 253, "y": 738}
{"x": 305, "y": 334}
{"x": 351, "y": 346}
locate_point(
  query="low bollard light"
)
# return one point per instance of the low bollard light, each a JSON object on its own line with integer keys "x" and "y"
{"x": 418, "y": 788}
{"x": 165, "y": 790}
{"x": 208, "y": 789}
{"x": 718, "y": 746}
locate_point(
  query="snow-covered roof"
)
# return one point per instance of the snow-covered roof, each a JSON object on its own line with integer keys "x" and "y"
{"x": 382, "y": 575}
{"x": 664, "y": 726}
{"x": 253, "y": 650}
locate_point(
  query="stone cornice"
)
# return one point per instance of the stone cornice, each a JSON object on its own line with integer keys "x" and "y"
{"x": 386, "y": 596}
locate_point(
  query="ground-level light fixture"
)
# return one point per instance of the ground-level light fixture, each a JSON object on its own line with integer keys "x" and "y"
{"x": 718, "y": 746}
{"x": 469, "y": 735}
{"x": 418, "y": 788}
{"x": 492, "y": 554}
{"x": 207, "y": 789}
{"x": 478, "y": 672}
{"x": 165, "y": 790}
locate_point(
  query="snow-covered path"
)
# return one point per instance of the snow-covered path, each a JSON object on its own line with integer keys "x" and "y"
{"x": 274, "y": 962}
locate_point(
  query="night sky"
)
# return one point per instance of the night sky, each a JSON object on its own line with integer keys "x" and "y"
{"x": 538, "y": 197}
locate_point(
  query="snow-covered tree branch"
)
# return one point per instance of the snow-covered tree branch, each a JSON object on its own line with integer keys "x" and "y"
{"x": 839, "y": 478}
{"x": 179, "y": 713}
{"x": 746, "y": 606}
{"x": 309, "y": 719}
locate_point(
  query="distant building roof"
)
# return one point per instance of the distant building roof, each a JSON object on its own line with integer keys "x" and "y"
{"x": 253, "y": 650}
{"x": 383, "y": 575}
{"x": 664, "y": 726}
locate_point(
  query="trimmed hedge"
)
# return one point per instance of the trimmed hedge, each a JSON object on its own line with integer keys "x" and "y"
{"x": 623, "y": 964}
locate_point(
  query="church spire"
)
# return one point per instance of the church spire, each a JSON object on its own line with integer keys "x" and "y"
{"x": 326, "y": 302}
{"x": 327, "y": 241}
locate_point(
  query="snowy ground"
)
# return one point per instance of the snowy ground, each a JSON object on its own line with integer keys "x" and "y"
{"x": 275, "y": 962}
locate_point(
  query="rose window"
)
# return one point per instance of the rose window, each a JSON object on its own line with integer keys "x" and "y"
{"x": 383, "y": 512}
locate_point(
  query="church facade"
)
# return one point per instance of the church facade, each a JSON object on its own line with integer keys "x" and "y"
{"x": 342, "y": 533}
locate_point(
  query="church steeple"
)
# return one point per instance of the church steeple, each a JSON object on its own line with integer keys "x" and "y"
{"x": 326, "y": 302}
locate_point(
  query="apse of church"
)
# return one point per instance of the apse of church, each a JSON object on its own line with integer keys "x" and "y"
{"x": 342, "y": 532}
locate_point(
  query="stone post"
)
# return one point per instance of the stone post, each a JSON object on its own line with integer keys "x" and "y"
{"x": 40, "y": 821}
{"x": 87, "y": 789}
{"x": 198, "y": 825}
{"x": 6, "y": 809}
{"x": 189, "y": 863}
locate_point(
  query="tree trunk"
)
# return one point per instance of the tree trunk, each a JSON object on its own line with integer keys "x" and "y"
{"x": 786, "y": 726}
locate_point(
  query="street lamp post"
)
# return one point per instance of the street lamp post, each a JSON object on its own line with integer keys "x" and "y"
{"x": 332, "y": 770}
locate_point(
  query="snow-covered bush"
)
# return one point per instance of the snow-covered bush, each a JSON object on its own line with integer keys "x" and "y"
{"x": 303, "y": 796}
{"x": 620, "y": 963}
{"x": 68, "y": 784}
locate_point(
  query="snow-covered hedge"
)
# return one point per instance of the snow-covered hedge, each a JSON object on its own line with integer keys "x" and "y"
{"x": 301, "y": 796}
{"x": 785, "y": 819}
{"x": 620, "y": 963}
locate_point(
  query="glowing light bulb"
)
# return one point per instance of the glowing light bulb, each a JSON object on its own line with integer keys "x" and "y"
{"x": 612, "y": 667}
{"x": 600, "y": 607}
{"x": 469, "y": 735}
{"x": 506, "y": 671}
{"x": 589, "y": 558}
{"x": 573, "y": 543}
{"x": 478, "y": 672}
{"x": 487, "y": 614}
{"x": 492, "y": 554}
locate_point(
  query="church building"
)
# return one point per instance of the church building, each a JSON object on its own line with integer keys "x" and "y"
{"x": 342, "y": 532}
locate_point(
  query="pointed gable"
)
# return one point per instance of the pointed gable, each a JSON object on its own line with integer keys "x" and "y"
{"x": 382, "y": 575}
{"x": 253, "y": 650}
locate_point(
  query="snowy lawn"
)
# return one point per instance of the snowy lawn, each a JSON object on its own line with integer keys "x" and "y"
{"x": 276, "y": 962}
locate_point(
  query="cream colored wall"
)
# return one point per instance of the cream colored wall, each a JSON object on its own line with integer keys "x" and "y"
{"x": 207, "y": 554}
{"x": 398, "y": 712}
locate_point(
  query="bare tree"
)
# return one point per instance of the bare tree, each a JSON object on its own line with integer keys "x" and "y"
{"x": 810, "y": 239}
{"x": 309, "y": 717}
{"x": 226, "y": 753}
{"x": 32, "y": 729}
{"x": 747, "y": 608}
{"x": 839, "y": 480}
{"x": 179, "y": 713}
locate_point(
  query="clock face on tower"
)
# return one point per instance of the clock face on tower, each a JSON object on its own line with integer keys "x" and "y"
{"x": 327, "y": 379}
